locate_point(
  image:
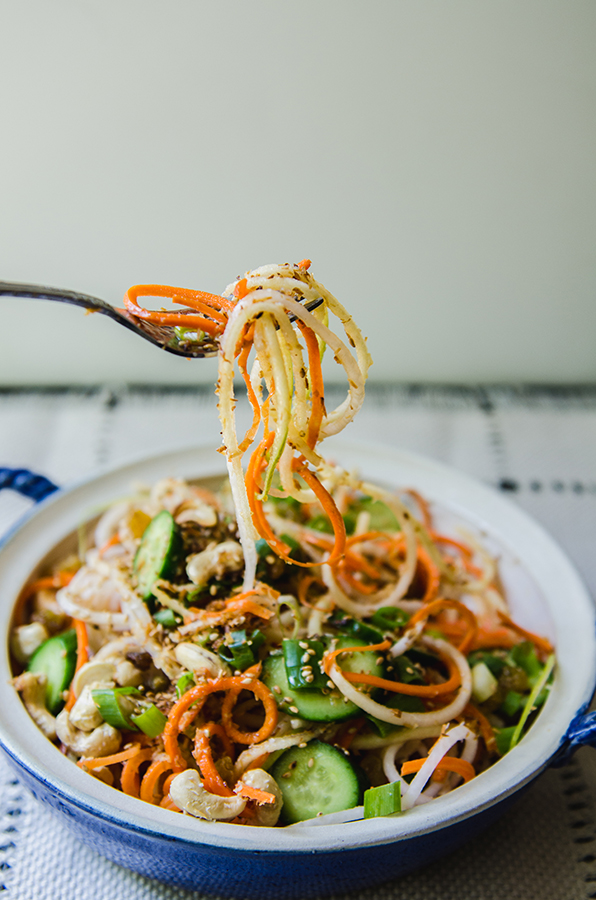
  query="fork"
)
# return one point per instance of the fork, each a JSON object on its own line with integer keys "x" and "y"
{"x": 162, "y": 336}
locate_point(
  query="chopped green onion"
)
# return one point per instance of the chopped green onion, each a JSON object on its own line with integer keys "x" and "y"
{"x": 294, "y": 607}
{"x": 355, "y": 627}
{"x": 524, "y": 656}
{"x": 185, "y": 682}
{"x": 167, "y": 618}
{"x": 390, "y": 618}
{"x": 406, "y": 671}
{"x": 512, "y": 703}
{"x": 531, "y": 701}
{"x": 115, "y": 705}
{"x": 240, "y": 651}
{"x": 382, "y": 801}
{"x": 303, "y": 664}
{"x": 151, "y": 721}
{"x": 503, "y": 739}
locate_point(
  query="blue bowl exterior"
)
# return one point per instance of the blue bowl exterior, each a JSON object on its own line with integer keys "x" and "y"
{"x": 252, "y": 874}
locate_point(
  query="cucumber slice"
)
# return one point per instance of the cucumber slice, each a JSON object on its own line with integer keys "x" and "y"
{"x": 158, "y": 553}
{"x": 313, "y": 704}
{"x": 56, "y": 658}
{"x": 315, "y": 780}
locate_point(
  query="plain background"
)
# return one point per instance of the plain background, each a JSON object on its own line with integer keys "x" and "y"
{"x": 436, "y": 161}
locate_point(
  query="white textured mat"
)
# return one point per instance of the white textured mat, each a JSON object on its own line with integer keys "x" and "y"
{"x": 539, "y": 446}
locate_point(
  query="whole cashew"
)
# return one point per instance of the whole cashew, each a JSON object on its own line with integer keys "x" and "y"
{"x": 85, "y": 715}
{"x": 268, "y": 813}
{"x": 32, "y": 685}
{"x": 102, "y": 741}
{"x": 188, "y": 793}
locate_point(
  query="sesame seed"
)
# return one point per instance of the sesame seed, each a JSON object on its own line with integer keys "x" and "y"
{"x": 302, "y": 745}
{"x": 311, "y": 762}
{"x": 294, "y": 709}
{"x": 380, "y": 660}
{"x": 277, "y": 689}
{"x": 305, "y": 658}
{"x": 287, "y": 700}
{"x": 303, "y": 645}
{"x": 330, "y": 684}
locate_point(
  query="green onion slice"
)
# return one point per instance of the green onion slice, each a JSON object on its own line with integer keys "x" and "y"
{"x": 382, "y": 801}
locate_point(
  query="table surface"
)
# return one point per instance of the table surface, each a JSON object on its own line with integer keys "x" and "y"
{"x": 537, "y": 445}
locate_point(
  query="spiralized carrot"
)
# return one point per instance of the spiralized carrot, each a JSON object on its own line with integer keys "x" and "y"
{"x": 49, "y": 582}
{"x": 437, "y": 606}
{"x": 82, "y": 655}
{"x": 486, "y": 729}
{"x": 130, "y": 778}
{"x": 541, "y": 643}
{"x": 210, "y": 304}
{"x": 252, "y": 793}
{"x": 196, "y": 697}
{"x": 97, "y": 761}
{"x": 433, "y": 577}
{"x": 212, "y": 780}
{"x": 151, "y": 778}
{"x": 316, "y": 385}
{"x": 448, "y": 763}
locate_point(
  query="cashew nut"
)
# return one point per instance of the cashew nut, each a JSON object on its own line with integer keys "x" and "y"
{"x": 26, "y": 639}
{"x": 199, "y": 660}
{"x": 268, "y": 813}
{"x": 32, "y": 686}
{"x": 188, "y": 793}
{"x": 92, "y": 672}
{"x": 102, "y": 741}
{"x": 200, "y": 512}
{"x": 217, "y": 559}
{"x": 84, "y": 715}
{"x": 127, "y": 674}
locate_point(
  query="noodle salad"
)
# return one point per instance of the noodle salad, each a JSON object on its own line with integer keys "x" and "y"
{"x": 297, "y": 645}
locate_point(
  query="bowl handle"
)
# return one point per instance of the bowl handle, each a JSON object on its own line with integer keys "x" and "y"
{"x": 581, "y": 732}
{"x": 27, "y": 483}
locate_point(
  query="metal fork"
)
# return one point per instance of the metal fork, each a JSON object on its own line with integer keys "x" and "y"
{"x": 162, "y": 336}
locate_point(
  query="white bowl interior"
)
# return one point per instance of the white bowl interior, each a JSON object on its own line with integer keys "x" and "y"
{"x": 543, "y": 589}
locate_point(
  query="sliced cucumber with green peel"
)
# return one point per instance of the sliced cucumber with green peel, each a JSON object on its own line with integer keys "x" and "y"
{"x": 315, "y": 780}
{"x": 158, "y": 553}
{"x": 56, "y": 659}
{"x": 315, "y": 705}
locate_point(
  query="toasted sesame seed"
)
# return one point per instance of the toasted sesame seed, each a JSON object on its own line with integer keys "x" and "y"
{"x": 287, "y": 700}
{"x": 294, "y": 709}
{"x": 305, "y": 658}
{"x": 330, "y": 684}
{"x": 303, "y": 645}
{"x": 277, "y": 689}
{"x": 302, "y": 745}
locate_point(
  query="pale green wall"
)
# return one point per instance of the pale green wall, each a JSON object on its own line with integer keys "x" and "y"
{"x": 436, "y": 161}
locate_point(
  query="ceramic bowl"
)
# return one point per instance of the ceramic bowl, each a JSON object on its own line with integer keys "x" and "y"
{"x": 545, "y": 594}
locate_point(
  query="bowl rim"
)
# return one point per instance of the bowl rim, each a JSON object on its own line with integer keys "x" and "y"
{"x": 478, "y": 504}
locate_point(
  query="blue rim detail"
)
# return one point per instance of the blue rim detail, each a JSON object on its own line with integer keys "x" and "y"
{"x": 581, "y": 732}
{"x": 27, "y": 483}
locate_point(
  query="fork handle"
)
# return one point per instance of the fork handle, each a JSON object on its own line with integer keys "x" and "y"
{"x": 41, "y": 292}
